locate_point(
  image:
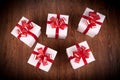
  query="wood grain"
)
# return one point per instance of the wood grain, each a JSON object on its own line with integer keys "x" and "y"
{"x": 105, "y": 46}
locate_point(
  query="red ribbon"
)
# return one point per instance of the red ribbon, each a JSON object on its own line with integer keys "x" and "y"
{"x": 81, "y": 52}
{"x": 42, "y": 57}
{"x": 23, "y": 30}
{"x": 91, "y": 20}
{"x": 58, "y": 23}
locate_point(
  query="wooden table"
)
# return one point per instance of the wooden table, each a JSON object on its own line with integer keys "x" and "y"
{"x": 14, "y": 54}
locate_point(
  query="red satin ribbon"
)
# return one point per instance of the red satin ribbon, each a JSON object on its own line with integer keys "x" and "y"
{"x": 58, "y": 23}
{"x": 81, "y": 52}
{"x": 24, "y": 28}
{"x": 92, "y": 20}
{"x": 42, "y": 57}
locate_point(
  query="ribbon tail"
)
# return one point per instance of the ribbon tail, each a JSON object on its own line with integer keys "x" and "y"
{"x": 71, "y": 57}
{"x": 45, "y": 49}
{"x": 19, "y": 36}
{"x": 33, "y": 35}
{"x": 49, "y": 22}
{"x": 57, "y": 33}
{"x": 86, "y": 30}
{"x": 58, "y": 16}
{"x": 50, "y": 60}
{"x": 38, "y": 65}
{"x": 34, "y": 52}
{"x": 29, "y": 22}
{"x": 84, "y": 60}
{"x": 88, "y": 50}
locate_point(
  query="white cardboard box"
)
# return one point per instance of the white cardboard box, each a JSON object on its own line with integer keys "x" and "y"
{"x": 83, "y": 23}
{"x": 33, "y": 61}
{"x": 29, "y": 40}
{"x": 70, "y": 50}
{"x": 51, "y": 32}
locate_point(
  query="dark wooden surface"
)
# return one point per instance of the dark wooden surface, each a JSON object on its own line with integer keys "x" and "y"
{"x": 105, "y": 46}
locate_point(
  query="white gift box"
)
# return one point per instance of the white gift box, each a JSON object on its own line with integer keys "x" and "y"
{"x": 51, "y": 32}
{"x": 29, "y": 40}
{"x": 81, "y": 63}
{"x": 83, "y": 24}
{"x": 33, "y": 61}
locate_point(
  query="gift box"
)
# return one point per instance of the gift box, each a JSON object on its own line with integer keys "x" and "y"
{"x": 42, "y": 57}
{"x": 80, "y": 55}
{"x": 90, "y": 22}
{"x": 57, "y": 26}
{"x": 27, "y": 31}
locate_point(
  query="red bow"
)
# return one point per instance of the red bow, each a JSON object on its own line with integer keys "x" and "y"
{"x": 57, "y": 22}
{"x": 81, "y": 52}
{"x": 42, "y": 57}
{"x": 91, "y": 20}
{"x": 24, "y": 29}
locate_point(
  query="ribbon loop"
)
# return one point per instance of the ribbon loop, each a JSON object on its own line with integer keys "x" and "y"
{"x": 81, "y": 52}
{"x": 42, "y": 57}
{"x": 91, "y": 20}
{"x": 94, "y": 15}
{"x": 24, "y": 29}
{"x": 58, "y": 23}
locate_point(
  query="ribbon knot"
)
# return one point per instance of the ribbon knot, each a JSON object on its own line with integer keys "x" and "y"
{"x": 81, "y": 52}
{"x": 94, "y": 15}
{"x": 42, "y": 57}
{"x": 24, "y": 29}
{"x": 58, "y": 23}
{"x": 91, "y": 20}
